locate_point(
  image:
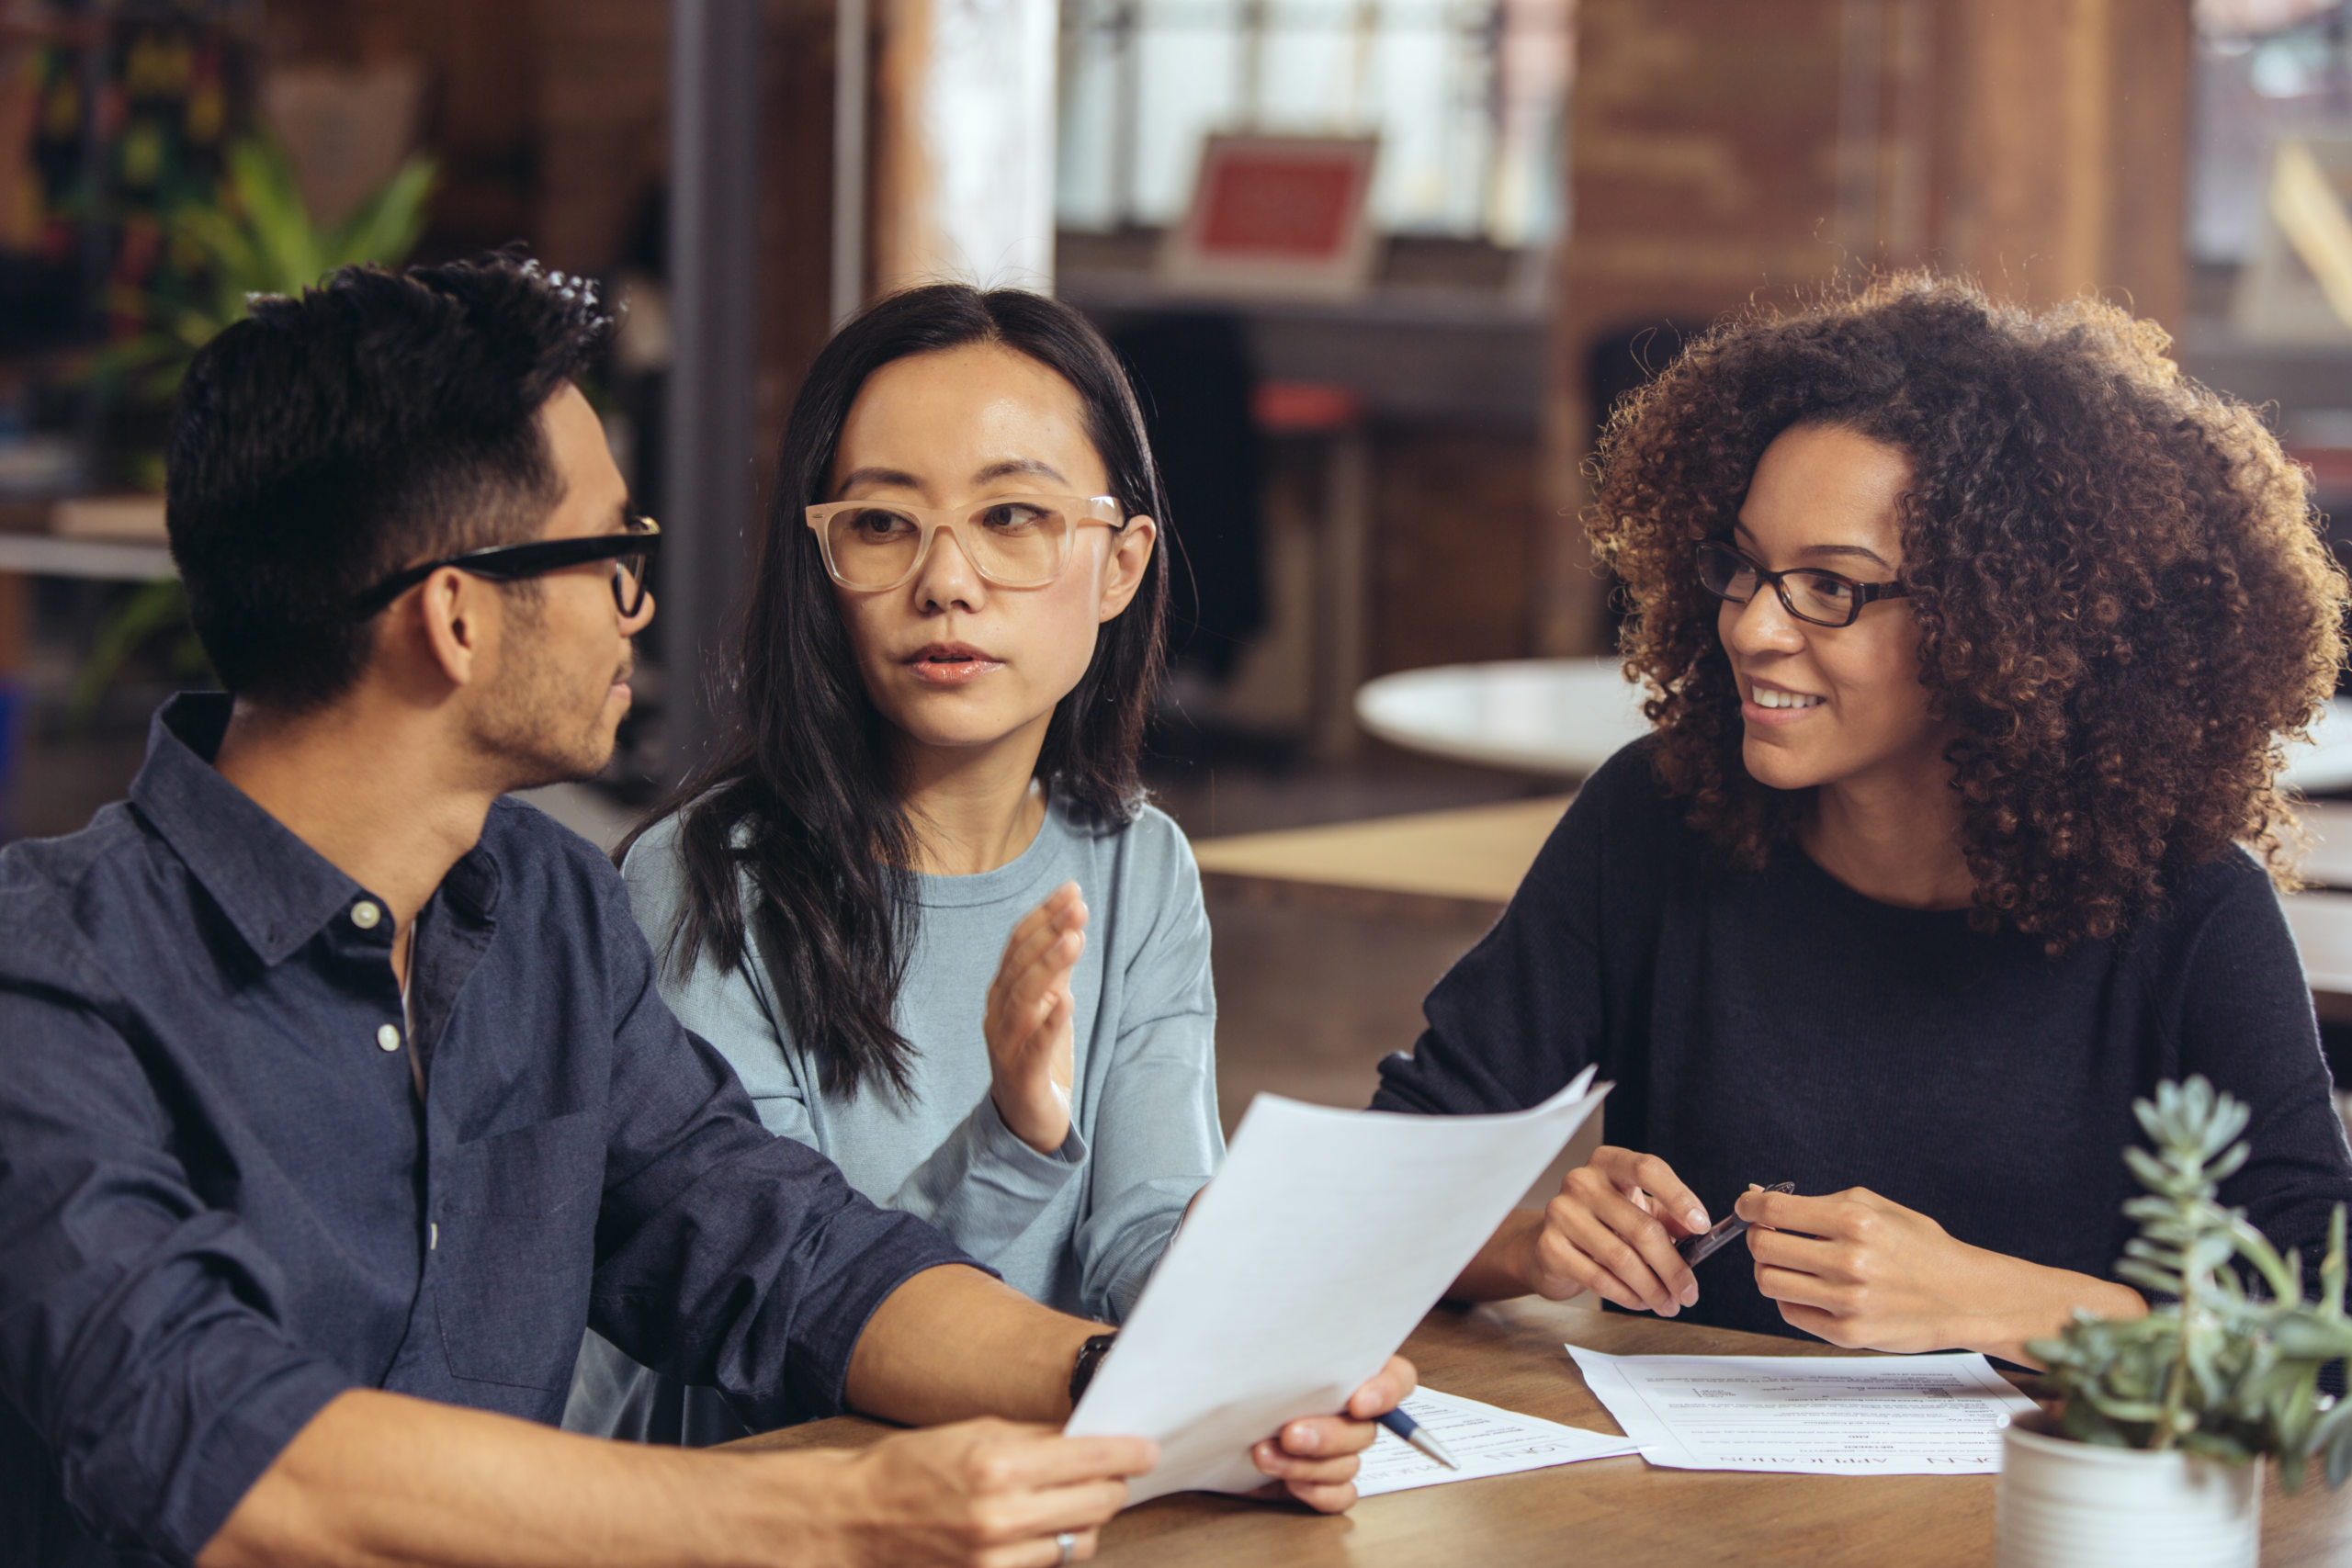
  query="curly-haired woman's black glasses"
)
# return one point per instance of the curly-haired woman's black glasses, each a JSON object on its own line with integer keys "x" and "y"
{"x": 631, "y": 554}
{"x": 1825, "y": 598}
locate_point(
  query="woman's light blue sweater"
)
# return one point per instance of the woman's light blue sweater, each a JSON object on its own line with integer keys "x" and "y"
{"x": 1079, "y": 1229}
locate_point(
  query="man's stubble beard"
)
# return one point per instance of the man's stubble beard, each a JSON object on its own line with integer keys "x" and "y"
{"x": 527, "y": 729}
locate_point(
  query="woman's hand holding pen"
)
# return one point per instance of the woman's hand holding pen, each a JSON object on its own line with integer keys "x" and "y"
{"x": 1028, "y": 1022}
{"x": 1865, "y": 1272}
{"x": 1612, "y": 1231}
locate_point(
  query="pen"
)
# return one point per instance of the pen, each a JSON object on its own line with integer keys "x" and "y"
{"x": 1413, "y": 1432}
{"x": 1722, "y": 1234}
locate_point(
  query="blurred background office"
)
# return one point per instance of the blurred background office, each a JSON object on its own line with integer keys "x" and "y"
{"x": 1381, "y": 266}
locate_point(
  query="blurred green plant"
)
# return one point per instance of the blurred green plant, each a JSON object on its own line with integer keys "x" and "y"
{"x": 257, "y": 237}
{"x": 2216, "y": 1369}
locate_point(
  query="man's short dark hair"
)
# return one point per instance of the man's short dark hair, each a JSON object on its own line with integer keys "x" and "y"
{"x": 376, "y": 420}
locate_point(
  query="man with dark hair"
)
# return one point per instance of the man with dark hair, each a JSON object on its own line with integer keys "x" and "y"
{"x": 336, "y": 1095}
{"x": 375, "y": 423}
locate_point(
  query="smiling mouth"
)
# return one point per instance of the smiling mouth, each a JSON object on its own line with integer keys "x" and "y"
{"x": 1769, "y": 697}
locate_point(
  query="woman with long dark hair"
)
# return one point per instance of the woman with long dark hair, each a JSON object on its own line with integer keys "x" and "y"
{"x": 916, "y": 897}
{"x": 1971, "y": 634}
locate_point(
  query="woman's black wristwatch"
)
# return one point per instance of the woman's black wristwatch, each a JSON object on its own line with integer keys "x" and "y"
{"x": 1090, "y": 1357}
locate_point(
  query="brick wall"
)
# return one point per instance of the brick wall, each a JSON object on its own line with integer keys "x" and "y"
{"x": 1723, "y": 154}
{"x": 549, "y": 118}
{"x": 603, "y": 107}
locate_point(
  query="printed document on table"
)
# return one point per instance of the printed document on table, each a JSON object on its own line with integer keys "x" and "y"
{"x": 1486, "y": 1440}
{"x": 1937, "y": 1415}
{"x": 1322, "y": 1241}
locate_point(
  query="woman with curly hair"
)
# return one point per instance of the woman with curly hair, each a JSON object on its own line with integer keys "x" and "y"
{"x": 1971, "y": 634}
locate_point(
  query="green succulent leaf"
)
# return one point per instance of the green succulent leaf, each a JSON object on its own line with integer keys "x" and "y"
{"x": 2336, "y": 1443}
{"x": 2227, "y": 1365}
{"x": 2311, "y": 1336}
{"x": 2125, "y": 1410}
{"x": 2164, "y": 1282}
{"x": 2216, "y": 1445}
{"x": 2221, "y": 1169}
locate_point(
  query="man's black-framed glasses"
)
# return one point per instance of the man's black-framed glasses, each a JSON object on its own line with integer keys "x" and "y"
{"x": 631, "y": 553}
{"x": 1825, "y": 598}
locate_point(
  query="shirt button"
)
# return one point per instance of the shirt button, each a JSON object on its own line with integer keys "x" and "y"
{"x": 389, "y": 1037}
{"x": 364, "y": 915}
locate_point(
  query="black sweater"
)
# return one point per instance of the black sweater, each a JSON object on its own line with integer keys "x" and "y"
{"x": 1778, "y": 1026}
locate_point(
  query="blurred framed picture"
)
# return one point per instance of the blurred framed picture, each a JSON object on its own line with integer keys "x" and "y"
{"x": 1284, "y": 217}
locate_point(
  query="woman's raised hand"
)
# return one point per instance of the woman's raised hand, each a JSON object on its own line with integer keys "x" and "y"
{"x": 1612, "y": 1230}
{"x": 1028, "y": 1020}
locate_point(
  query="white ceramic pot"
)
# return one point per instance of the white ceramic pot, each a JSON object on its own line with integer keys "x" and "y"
{"x": 2068, "y": 1505}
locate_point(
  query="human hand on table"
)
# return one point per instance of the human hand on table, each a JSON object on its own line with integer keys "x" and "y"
{"x": 380, "y": 1477}
{"x": 1865, "y": 1272}
{"x": 1314, "y": 1456}
{"x": 1612, "y": 1231}
{"x": 989, "y": 1494}
{"x": 1028, "y": 1020}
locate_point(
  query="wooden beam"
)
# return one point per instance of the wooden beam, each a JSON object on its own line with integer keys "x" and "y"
{"x": 714, "y": 201}
{"x": 2064, "y": 149}
{"x": 962, "y": 153}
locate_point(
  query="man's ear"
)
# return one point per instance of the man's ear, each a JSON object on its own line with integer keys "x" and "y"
{"x": 454, "y": 611}
{"x": 1123, "y": 569}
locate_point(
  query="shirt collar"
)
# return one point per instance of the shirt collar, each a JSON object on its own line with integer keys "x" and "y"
{"x": 275, "y": 889}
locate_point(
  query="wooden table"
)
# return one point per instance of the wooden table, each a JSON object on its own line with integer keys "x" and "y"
{"x": 1612, "y": 1513}
{"x": 1473, "y": 858}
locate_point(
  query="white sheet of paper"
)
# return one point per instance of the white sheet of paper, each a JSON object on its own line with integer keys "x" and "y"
{"x": 1936, "y": 1415}
{"x": 1324, "y": 1237}
{"x": 1487, "y": 1440}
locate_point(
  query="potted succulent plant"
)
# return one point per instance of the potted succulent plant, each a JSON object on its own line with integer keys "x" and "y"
{"x": 2155, "y": 1455}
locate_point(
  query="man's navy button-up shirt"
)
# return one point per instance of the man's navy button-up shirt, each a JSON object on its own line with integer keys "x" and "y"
{"x": 223, "y": 1199}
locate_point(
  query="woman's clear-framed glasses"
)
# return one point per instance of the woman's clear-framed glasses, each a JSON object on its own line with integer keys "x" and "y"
{"x": 630, "y": 551}
{"x": 1823, "y": 598}
{"x": 1013, "y": 541}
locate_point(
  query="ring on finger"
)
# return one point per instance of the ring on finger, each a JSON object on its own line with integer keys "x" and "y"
{"x": 1067, "y": 1544}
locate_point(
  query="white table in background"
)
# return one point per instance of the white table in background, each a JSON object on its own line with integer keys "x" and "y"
{"x": 1564, "y": 717}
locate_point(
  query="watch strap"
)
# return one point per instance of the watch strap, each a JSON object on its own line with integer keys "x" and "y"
{"x": 1089, "y": 1357}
